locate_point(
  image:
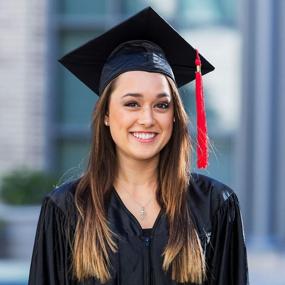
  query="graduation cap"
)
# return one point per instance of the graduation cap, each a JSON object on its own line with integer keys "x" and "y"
{"x": 144, "y": 42}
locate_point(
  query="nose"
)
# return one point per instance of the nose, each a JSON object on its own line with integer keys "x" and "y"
{"x": 146, "y": 117}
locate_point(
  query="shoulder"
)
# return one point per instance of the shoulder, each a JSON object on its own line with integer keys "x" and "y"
{"x": 207, "y": 196}
{"x": 213, "y": 189}
{"x": 62, "y": 196}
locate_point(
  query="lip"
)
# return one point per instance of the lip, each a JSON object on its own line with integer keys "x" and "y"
{"x": 144, "y": 132}
{"x": 150, "y": 140}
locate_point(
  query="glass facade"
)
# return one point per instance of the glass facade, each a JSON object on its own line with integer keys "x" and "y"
{"x": 79, "y": 21}
{"x": 208, "y": 12}
{"x": 82, "y": 8}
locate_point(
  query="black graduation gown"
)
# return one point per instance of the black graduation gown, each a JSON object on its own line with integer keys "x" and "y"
{"x": 216, "y": 213}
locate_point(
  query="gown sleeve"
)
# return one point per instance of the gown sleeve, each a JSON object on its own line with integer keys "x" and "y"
{"x": 228, "y": 255}
{"x": 49, "y": 265}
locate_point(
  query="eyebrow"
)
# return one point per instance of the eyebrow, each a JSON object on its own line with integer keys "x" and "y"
{"x": 138, "y": 95}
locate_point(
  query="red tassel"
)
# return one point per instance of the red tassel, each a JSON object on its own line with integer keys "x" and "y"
{"x": 202, "y": 137}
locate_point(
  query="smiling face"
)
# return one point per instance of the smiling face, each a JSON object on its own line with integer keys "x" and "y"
{"x": 140, "y": 114}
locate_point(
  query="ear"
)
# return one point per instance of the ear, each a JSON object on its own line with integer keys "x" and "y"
{"x": 106, "y": 119}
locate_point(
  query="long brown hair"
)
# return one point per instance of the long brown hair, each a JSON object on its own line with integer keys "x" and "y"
{"x": 183, "y": 254}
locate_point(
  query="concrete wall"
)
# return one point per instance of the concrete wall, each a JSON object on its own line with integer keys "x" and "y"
{"x": 261, "y": 138}
{"x": 22, "y": 83}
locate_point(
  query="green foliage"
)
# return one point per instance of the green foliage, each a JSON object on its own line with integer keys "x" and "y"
{"x": 25, "y": 187}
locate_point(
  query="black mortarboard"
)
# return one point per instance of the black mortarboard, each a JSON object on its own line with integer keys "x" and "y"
{"x": 87, "y": 61}
{"x": 145, "y": 42}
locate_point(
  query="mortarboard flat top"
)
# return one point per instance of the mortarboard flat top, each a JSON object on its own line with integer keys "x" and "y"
{"x": 87, "y": 61}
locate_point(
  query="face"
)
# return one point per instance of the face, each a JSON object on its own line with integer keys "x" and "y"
{"x": 140, "y": 114}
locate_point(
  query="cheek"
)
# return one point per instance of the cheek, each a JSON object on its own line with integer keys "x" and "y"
{"x": 170, "y": 128}
{"x": 168, "y": 121}
{"x": 117, "y": 115}
{"x": 167, "y": 126}
{"x": 120, "y": 123}
{"x": 121, "y": 120}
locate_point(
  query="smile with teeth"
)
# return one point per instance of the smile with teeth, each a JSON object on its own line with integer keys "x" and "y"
{"x": 144, "y": 137}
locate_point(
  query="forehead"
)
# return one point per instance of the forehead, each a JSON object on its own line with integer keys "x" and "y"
{"x": 141, "y": 82}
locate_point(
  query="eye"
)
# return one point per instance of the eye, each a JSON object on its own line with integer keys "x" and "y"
{"x": 163, "y": 105}
{"x": 131, "y": 104}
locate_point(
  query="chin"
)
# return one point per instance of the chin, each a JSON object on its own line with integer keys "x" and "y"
{"x": 139, "y": 153}
{"x": 144, "y": 156}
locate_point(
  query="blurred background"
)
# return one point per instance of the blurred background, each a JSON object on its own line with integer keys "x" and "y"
{"x": 45, "y": 112}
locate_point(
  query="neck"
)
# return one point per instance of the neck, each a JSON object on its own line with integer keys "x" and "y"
{"x": 136, "y": 175}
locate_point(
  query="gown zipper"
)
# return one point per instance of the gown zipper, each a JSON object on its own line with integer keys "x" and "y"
{"x": 147, "y": 262}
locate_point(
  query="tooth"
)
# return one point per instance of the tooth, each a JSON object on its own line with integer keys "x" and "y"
{"x": 144, "y": 136}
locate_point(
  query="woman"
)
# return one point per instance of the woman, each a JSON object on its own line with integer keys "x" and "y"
{"x": 138, "y": 215}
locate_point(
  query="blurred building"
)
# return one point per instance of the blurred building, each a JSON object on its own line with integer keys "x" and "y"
{"x": 260, "y": 172}
{"x": 22, "y": 84}
{"x": 46, "y": 112}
